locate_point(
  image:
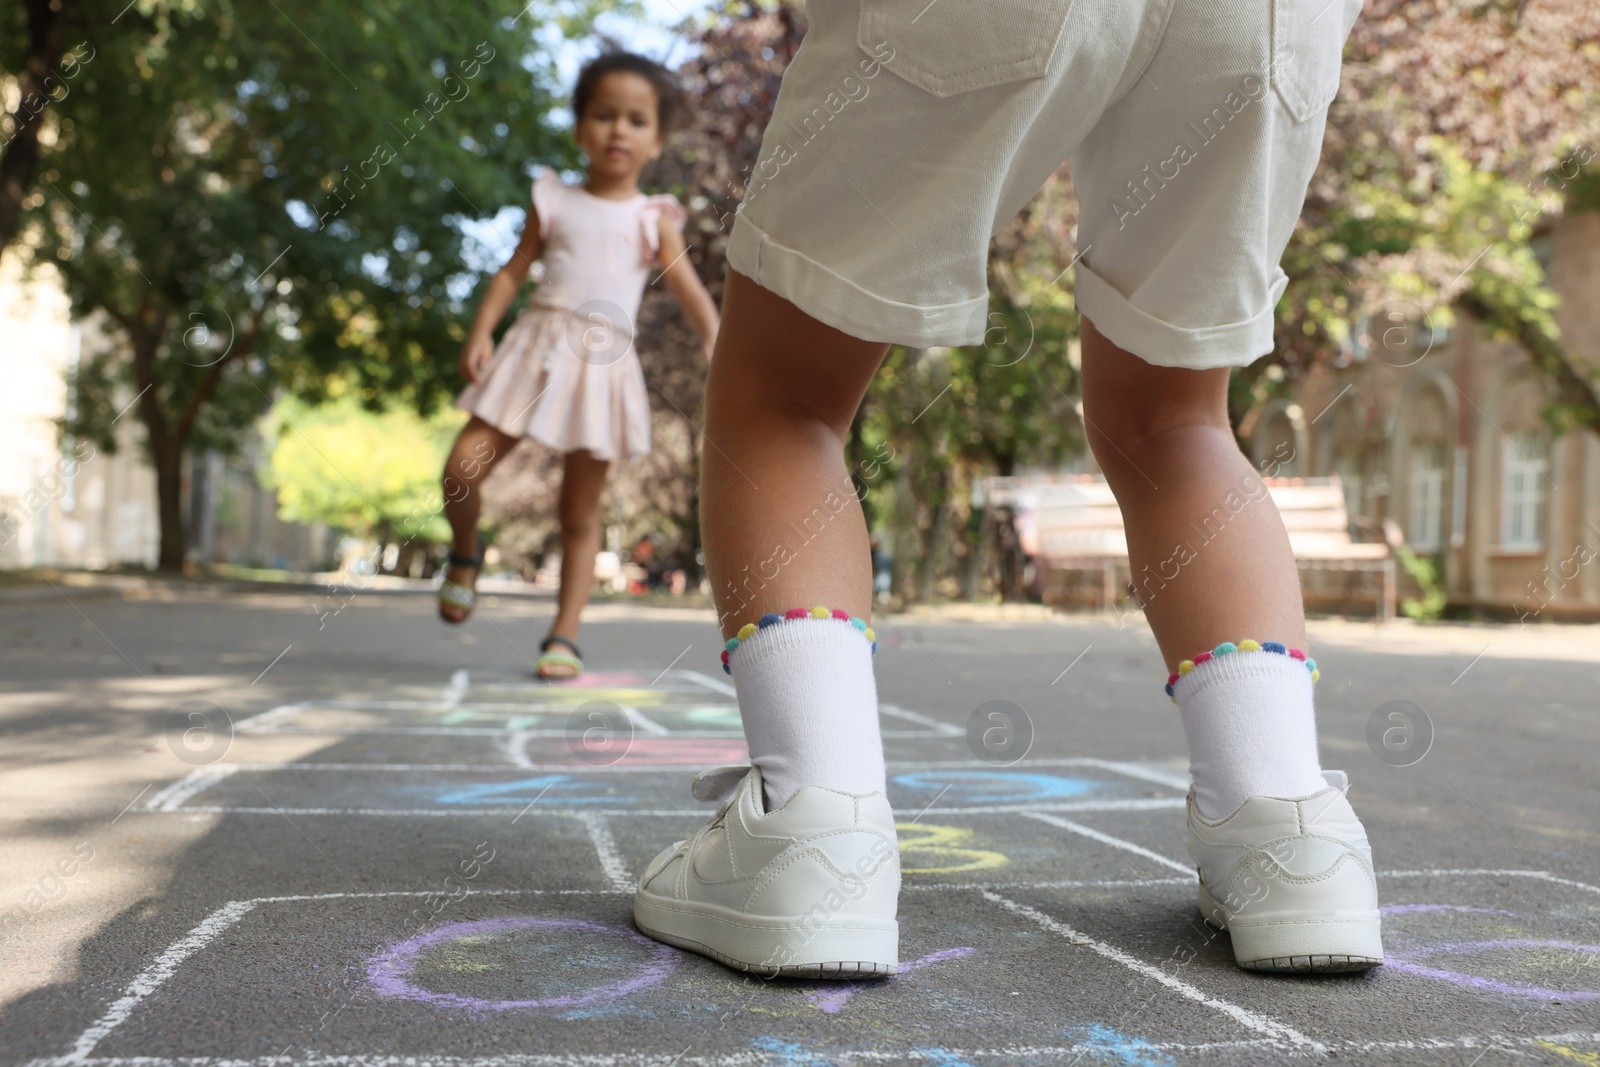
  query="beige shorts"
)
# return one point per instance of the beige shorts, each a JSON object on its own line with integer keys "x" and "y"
{"x": 908, "y": 133}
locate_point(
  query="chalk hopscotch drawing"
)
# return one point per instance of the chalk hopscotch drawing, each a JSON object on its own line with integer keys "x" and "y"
{"x": 833, "y": 1000}
{"x": 549, "y": 789}
{"x": 1116, "y": 1047}
{"x": 929, "y": 849}
{"x": 643, "y": 963}
{"x": 714, "y": 716}
{"x": 1550, "y": 954}
{"x": 678, "y": 751}
{"x": 995, "y": 787}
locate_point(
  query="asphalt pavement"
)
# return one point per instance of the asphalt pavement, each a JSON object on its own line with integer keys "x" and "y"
{"x": 293, "y": 830}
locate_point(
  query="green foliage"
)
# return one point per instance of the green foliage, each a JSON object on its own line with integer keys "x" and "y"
{"x": 1425, "y": 572}
{"x": 948, "y": 416}
{"x": 1421, "y": 231}
{"x": 257, "y": 197}
{"x": 361, "y": 471}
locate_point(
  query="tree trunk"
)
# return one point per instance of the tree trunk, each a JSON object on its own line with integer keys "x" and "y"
{"x": 933, "y": 528}
{"x": 20, "y": 156}
{"x": 163, "y": 444}
{"x": 169, "y": 506}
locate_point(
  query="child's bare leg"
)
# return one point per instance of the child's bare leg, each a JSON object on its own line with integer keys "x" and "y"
{"x": 478, "y": 448}
{"x": 582, "y": 480}
{"x": 782, "y": 392}
{"x": 1162, "y": 437}
{"x": 783, "y": 530}
{"x": 1212, "y": 564}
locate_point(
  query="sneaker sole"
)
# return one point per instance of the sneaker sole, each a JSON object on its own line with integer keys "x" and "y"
{"x": 1308, "y": 946}
{"x": 751, "y": 943}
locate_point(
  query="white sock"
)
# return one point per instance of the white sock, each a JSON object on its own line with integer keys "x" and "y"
{"x": 810, "y": 707}
{"x": 1252, "y": 731}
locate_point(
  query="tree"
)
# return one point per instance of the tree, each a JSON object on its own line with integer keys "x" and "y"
{"x": 252, "y": 198}
{"x": 1009, "y": 401}
{"x": 732, "y": 80}
{"x": 949, "y": 417}
{"x": 1460, "y": 130}
{"x": 364, "y": 472}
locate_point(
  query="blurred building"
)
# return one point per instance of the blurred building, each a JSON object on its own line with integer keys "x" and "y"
{"x": 64, "y": 503}
{"x": 1441, "y": 430}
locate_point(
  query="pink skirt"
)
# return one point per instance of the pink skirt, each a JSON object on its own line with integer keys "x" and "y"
{"x": 566, "y": 382}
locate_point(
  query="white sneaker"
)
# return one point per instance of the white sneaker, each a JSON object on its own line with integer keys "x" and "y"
{"x": 807, "y": 891}
{"x": 1291, "y": 881}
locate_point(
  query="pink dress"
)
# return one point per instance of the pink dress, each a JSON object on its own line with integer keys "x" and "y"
{"x": 566, "y": 373}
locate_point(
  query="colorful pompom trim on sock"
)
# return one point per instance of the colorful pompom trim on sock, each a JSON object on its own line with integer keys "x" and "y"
{"x": 773, "y": 618}
{"x": 1228, "y": 647}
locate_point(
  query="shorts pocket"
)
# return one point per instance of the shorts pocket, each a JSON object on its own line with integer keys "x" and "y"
{"x": 1307, "y": 49}
{"x": 955, "y": 46}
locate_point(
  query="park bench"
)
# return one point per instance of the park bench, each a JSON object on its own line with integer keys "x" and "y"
{"x": 1070, "y": 526}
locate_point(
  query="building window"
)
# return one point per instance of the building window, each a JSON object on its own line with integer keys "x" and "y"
{"x": 1523, "y": 462}
{"x": 1425, "y": 531}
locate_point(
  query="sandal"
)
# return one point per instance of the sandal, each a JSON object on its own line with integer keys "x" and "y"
{"x": 461, "y": 597}
{"x": 558, "y": 665}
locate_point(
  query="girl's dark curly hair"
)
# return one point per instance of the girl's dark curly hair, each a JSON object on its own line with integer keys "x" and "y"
{"x": 669, "y": 96}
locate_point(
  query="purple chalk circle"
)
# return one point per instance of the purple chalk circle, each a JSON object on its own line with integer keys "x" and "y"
{"x": 391, "y": 970}
{"x": 1409, "y": 963}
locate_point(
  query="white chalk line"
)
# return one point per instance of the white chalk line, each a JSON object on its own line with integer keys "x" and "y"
{"x": 762, "y": 1058}
{"x": 269, "y": 717}
{"x": 151, "y": 978}
{"x": 944, "y": 729}
{"x": 1131, "y": 770}
{"x": 517, "y": 757}
{"x": 171, "y": 799}
{"x": 1120, "y": 843}
{"x": 646, "y": 725}
{"x": 1261, "y": 1024}
{"x": 893, "y": 765}
{"x": 483, "y": 731}
{"x": 500, "y": 731}
{"x": 467, "y": 811}
{"x": 1066, "y": 883}
{"x": 605, "y": 849}
{"x": 190, "y": 785}
{"x": 515, "y": 746}
{"x": 167, "y": 964}
{"x": 716, "y": 685}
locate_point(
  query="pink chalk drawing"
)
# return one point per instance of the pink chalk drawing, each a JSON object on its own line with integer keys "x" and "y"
{"x": 1409, "y": 961}
{"x": 832, "y": 1001}
{"x": 391, "y": 970}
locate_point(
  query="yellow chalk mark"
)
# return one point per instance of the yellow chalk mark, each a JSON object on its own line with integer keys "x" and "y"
{"x": 465, "y": 965}
{"x": 459, "y": 957}
{"x": 1588, "y": 1059}
{"x": 945, "y": 850}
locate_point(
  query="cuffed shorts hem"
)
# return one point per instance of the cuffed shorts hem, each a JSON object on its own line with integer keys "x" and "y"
{"x": 831, "y": 298}
{"x": 1162, "y": 344}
